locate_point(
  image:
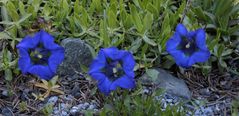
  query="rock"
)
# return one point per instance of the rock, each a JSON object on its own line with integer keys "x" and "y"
{"x": 52, "y": 100}
{"x": 145, "y": 91}
{"x": 64, "y": 113}
{"x": 5, "y": 93}
{"x": 6, "y": 111}
{"x": 91, "y": 107}
{"x": 77, "y": 54}
{"x": 163, "y": 79}
{"x": 205, "y": 92}
{"x": 68, "y": 97}
{"x": 169, "y": 100}
{"x": 75, "y": 110}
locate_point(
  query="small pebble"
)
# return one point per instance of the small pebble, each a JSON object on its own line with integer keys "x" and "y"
{"x": 5, "y": 93}
{"x": 86, "y": 104}
{"x": 169, "y": 100}
{"x": 91, "y": 107}
{"x": 175, "y": 101}
{"x": 52, "y": 100}
{"x": 145, "y": 91}
{"x": 68, "y": 97}
{"x": 63, "y": 106}
{"x": 74, "y": 110}
{"x": 64, "y": 113}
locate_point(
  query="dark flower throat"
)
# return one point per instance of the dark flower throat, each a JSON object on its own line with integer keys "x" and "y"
{"x": 113, "y": 70}
{"x": 39, "y": 55}
{"x": 188, "y": 46}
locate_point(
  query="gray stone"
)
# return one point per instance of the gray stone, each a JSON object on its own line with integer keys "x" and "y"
{"x": 77, "y": 54}
{"x": 75, "y": 110}
{"x": 81, "y": 106}
{"x": 52, "y": 100}
{"x": 169, "y": 100}
{"x": 165, "y": 80}
{"x": 63, "y": 106}
{"x": 6, "y": 111}
{"x": 64, "y": 113}
{"x": 5, "y": 93}
{"x": 91, "y": 107}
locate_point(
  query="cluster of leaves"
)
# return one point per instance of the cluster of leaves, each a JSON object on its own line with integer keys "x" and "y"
{"x": 220, "y": 19}
{"x": 139, "y": 104}
{"x": 134, "y": 25}
{"x": 140, "y": 26}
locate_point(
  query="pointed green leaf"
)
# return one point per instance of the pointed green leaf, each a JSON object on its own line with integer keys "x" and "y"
{"x": 12, "y": 11}
{"x": 149, "y": 41}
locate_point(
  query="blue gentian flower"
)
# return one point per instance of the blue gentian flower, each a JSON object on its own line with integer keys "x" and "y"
{"x": 39, "y": 55}
{"x": 188, "y": 48}
{"x": 113, "y": 68}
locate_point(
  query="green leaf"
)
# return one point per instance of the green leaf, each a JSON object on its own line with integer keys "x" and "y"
{"x": 136, "y": 19}
{"x": 12, "y": 11}
{"x": 128, "y": 21}
{"x": 112, "y": 19}
{"x": 65, "y": 6}
{"x": 227, "y": 52}
{"x": 47, "y": 10}
{"x": 84, "y": 19}
{"x": 222, "y": 63}
{"x": 149, "y": 41}
{"x": 104, "y": 34}
{"x": 218, "y": 49}
{"x": 8, "y": 74}
{"x": 199, "y": 12}
{"x": 148, "y": 21}
{"x": 135, "y": 45}
{"x": 21, "y": 8}
{"x": 24, "y": 18}
{"x": 77, "y": 7}
{"x": 53, "y": 81}
{"x": 4, "y": 14}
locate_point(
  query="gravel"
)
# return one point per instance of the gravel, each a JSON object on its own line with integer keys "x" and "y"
{"x": 65, "y": 106}
{"x": 199, "y": 107}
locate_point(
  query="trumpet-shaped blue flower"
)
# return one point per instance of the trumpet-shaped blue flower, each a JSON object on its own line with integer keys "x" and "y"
{"x": 39, "y": 55}
{"x": 187, "y": 48}
{"x": 113, "y": 68}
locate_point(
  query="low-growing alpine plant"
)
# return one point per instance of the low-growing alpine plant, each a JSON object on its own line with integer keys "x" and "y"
{"x": 113, "y": 68}
{"x": 39, "y": 55}
{"x": 188, "y": 48}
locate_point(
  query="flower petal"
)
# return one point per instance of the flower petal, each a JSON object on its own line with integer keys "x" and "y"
{"x": 201, "y": 39}
{"x": 98, "y": 76}
{"x": 24, "y": 61}
{"x": 29, "y": 41}
{"x": 173, "y": 42}
{"x": 104, "y": 86}
{"x": 43, "y": 72}
{"x": 123, "y": 82}
{"x": 113, "y": 53}
{"x": 180, "y": 58}
{"x": 199, "y": 56}
{"x": 56, "y": 58}
{"x": 98, "y": 63}
{"x": 128, "y": 64}
{"x": 182, "y": 30}
{"x": 48, "y": 41}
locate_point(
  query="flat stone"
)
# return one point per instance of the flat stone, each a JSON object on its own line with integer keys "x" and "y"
{"x": 77, "y": 54}
{"x": 170, "y": 83}
{"x": 6, "y": 111}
